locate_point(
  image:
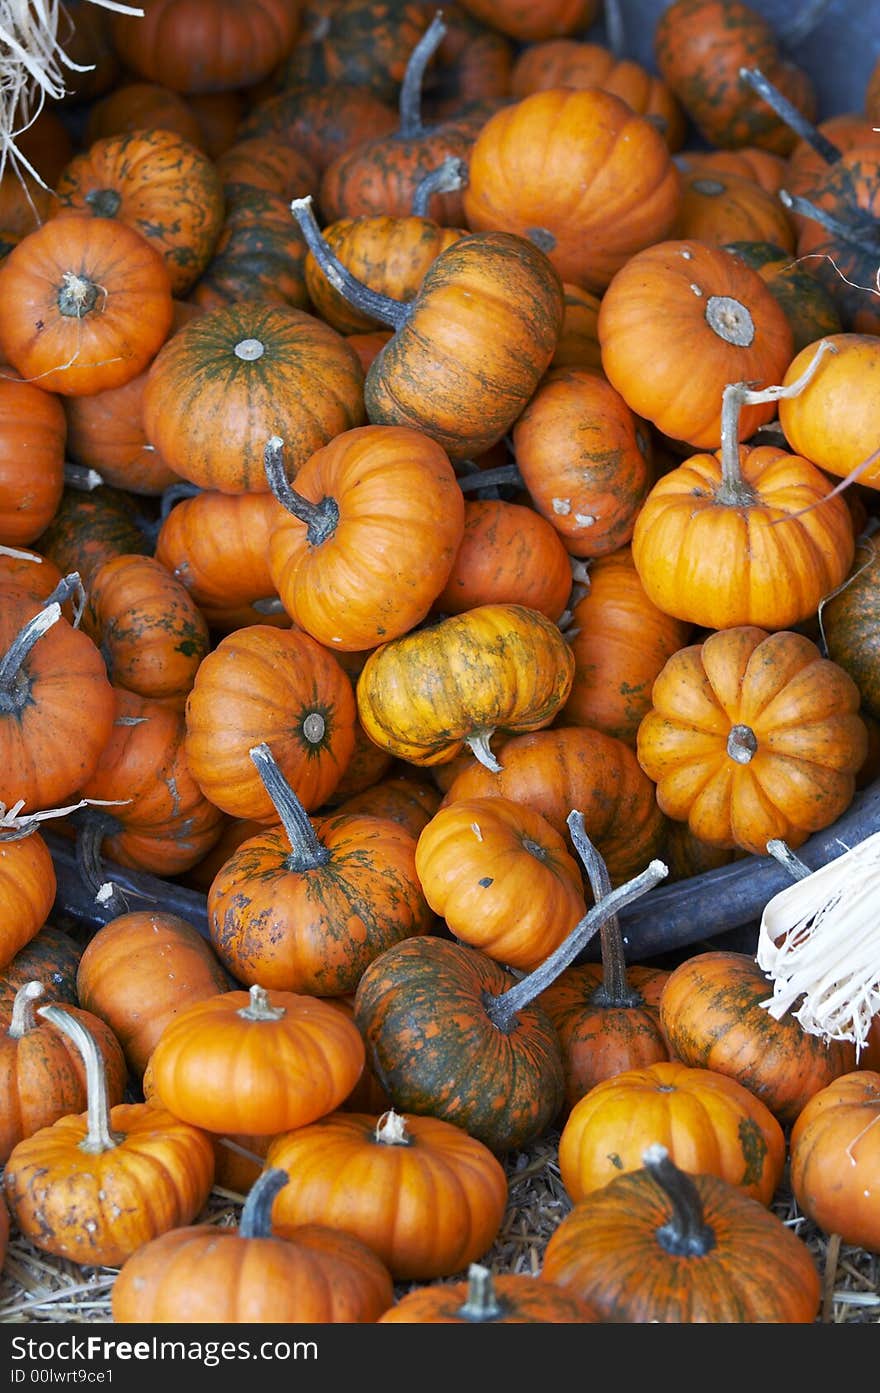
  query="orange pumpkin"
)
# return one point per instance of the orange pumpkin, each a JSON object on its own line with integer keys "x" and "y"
{"x": 33, "y": 431}
{"x": 209, "y": 50}
{"x": 718, "y": 207}
{"x": 835, "y": 1158}
{"x": 509, "y": 554}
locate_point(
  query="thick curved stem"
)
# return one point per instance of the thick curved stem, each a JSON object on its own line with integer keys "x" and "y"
{"x": 481, "y": 1303}
{"x": 615, "y": 989}
{"x": 394, "y": 313}
{"x": 479, "y": 745}
{"x": 91, "y": 829}
{"x": 23, "y": 1020}
{"x": 782, "y": 852}
{"x": 176, "y": 493}
{"x": 410, "y": 106}
{"x": 320, "y": 519}
{"x": 82, "y": 477}
{"x": 70, "y": 586}
{"x": 13, "y": 682}
{"x": 98, "y": 1136}
{"x": 448, "y": 177}
{"x": 502, "y": 1009}
{"x": 686, "y": 1235}
{"x": 256, "y": 1214}
{"x": 865, "y": 237}
{"x": 794, "y": 119}
{"x": 307, "y": 852}
{"x": 491, "y": 478}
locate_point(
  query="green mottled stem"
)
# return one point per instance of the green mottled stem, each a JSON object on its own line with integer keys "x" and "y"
{"x": 481, "y": 1303}
{"x": 321, "y": 519}
{"x": 782, "y": 852}
{"x": 259, "y": 1007}
{"x": 614, "y": 990}
{"x": 686, "y": 1235}
{"x": 410, "y": 107}
{"x": 865, "y": 236}
{"x": 502, "y": 1009}
{"x": 23, "y": 1019}
{"x": 14, "y": 684}
{"x": 176, "y": 493}
{"x": 394, "y": 313}
{"x": 491, "y": 478}
{"x": 256, "y": 1215}
{"x": 794, "y": 119}
{"x": 92, "y": 827}
{"x": 733, "y": 490}
{"x": 448, "y": 177}
{"x": 307, "y": 852}
{"x": 98, "y": 1136}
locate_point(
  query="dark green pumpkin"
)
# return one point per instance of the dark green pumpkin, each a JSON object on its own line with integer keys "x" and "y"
{"x": 51, "y": 957}
{"x": 851, "y": 623}
{"x": 421, "y": 1007}
{"x": 90, "y": 527}
{"x": 804, "y": 300}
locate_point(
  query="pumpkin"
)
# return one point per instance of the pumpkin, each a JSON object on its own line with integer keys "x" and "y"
{"x": 139, "y": 970}
{"x": 382, "y": 174}
{"x": 365, "y": 42}
{"x": 710, "y": 1123}
{"x": 578, "y": 342}
{"x": 50, "y": 674}
{"x": 88, "y": 528}
{"x": 580, "y": 174}
{"x": 249, "y": 371}
{"x": 150, "y": 631}
{"x": 756, "y": 536}
{"x": 158, "y": 183}
{"x": 192, "y": 48}
{"x": 575, "y": 63}
{"x": 509, "y": 554}
{"x": 33, "y": 432}
{"x": 138, "y": 106}
{"x": 259, "y": 162}
{"x": 585, "y": 460}
{"x": 320, "y": 120}
{"x": 218, "y": 115}
{"x": 490, "y": 306}
{"x": 713, "y": 1016}
{"x": 28, "y": 572}
{"x": 533, "y": 20}
{"x": 507, "y": 1299}
{"x": 368, "y": 536}
{"x": 753, "y": 736}
{"x": 553, "y": 771}
{"x": 299, "y": 1057}
{"x": 259, "y": 255}
{"x": 851, "y": 626}
{"x": 830, "y": 421}
{"x": 750, "y": 162}
{"x": 423, "y": 1194}
{"x": 808, "y": 306}
{"x": 657, "y": 1245}
{"x": 42, "y": 1073}
{"x": 274, "y": 686}
{"x": 162, "y": 822}
{"x": 700, "y": 46}
{"x": 425, "y": 695}
{"x": 94, "y": 1187}
{"x": 835, "y": 1158}
{"x": 306, "y": 908}
{"x": 620, "y": 641}
{"x": 473, "y": 64}
{"x": 718, "y": 207}
{"x": 87, "y": 304}
{"x": 208, "y": 1274}
{"x": 411, "y": 801}
{"x": 501, "y": 877}
{"x": 51, "y": 957}
{"x": 678, "y": 323}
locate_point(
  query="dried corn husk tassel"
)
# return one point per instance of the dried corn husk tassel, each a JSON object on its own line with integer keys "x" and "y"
{"x": 819, "y": 942}
{"x": 32, "y": 64}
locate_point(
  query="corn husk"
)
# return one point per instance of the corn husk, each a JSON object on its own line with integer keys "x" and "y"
{"x": 819, "y": 943}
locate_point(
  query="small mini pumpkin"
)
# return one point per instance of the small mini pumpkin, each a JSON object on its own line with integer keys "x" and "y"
{"x": 507, "y": 1299}
{"x": 835, "y": 1158}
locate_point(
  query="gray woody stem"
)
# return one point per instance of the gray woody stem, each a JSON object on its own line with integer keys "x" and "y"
{"x": 98, "y": 1136}
{"x": 794, "y": 119}
{"x": 395, "y": 313}
{"x": 307, "y": 852}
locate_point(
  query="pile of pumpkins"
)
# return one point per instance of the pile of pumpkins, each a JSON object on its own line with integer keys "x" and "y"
{"x": 436, "y": 505}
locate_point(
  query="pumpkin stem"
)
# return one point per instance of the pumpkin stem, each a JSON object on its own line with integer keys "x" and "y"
{"x": 371, "y": 302}
{"x": 23, "y": 1021}
{"x": 615, "y": 989}
{"x": 410, "y": 107}
{"x": 733, "y": 491}
{"x": 320, "y": 519}
{"x": 742, "y": 744}
{"x": 256, "y": 1214}
{"x": 176, "y": 493}
{"x": 491, "y": 478}
{"x": 307, "y": 852}
{"x": 104, "y": 203}
{"x": 77, "y": 295}
{"x": 91, "y": 829}
{"x": 502, "y": 1009}
{"x": 82, "y": 477}
{"x": 14, "y": 683}
{"x": 448, "y": 177}
{"x": 782, "y": 852}
{"x": 686, "y": 1235}
{"x": 98, "y": 1135}
{"x": 259, "y": 1008}
{"x": 391, "y": 1130}
{"x": 479, "y": 744}
{"x": 70, "y": 585}
{"x": 862, "y": 234}
{"x": 794, "y": 119}
{"x": 481, "y": 1303}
